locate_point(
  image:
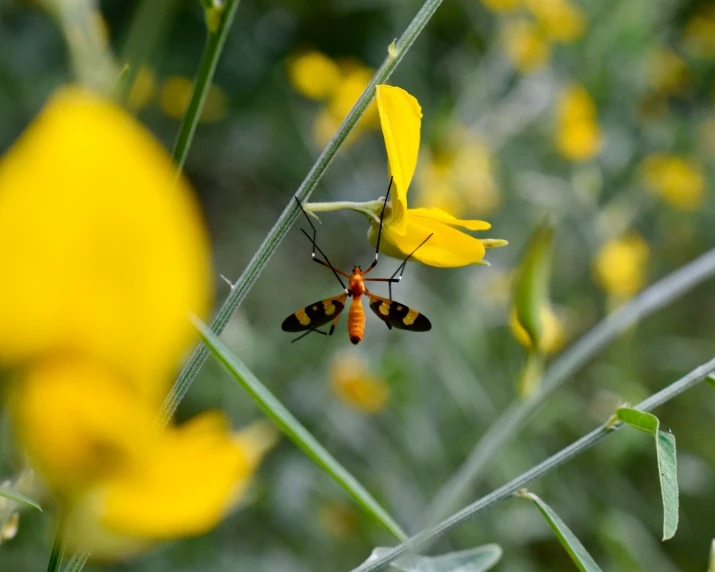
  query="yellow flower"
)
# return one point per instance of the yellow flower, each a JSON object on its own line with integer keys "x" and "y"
{"x": 104, "y": 256}
{"x": 620, "y": 265}
{"x": 559, "y": 20}
{"x": 668, "y": 73}
{"x": 355, "y": 387}
{"x": 525, "y": 44}
{"x": 143, "y": 90}
{"x": 314, "y": 75}
{"x": 699, "y": 33}
{"x": 502, "y": 5}
{"x": 404, "y": 229}
{"x": 176, "y": 93}
{"x": 680, "y": 181}
{"x": 578, "y": 134}
{"x": 354, "y": 78}
{"x": 554, "y": 336}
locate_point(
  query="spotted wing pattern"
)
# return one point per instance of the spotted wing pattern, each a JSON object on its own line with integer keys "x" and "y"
{"x": 315, "y": 315}
{"x": 396, "y": 314}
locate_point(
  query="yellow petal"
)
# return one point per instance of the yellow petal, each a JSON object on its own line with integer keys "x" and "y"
{"x": 400, "y": 118}
{"x": 103, "y": 252}
{"x": 446, "y": 248}
{"x": 193, "y": 479}
{"x": 441, "y": 216}
{"x": 79, "y": 423}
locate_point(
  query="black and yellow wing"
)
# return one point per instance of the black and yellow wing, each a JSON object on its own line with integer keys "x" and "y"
{"x": 315, "y": 315}
{"x": 397, "y": 315}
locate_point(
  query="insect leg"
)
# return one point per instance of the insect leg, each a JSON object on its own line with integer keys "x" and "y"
{"x": 401, "y": 267}
{"x": 326, "y": 262}
{"x": 379, "y": 231}
{"x": 309, "y": 332}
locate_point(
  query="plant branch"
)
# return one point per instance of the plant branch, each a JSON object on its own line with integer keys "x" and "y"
{"x": 218, "y": 24}
{"x": 289, "y": 214}
{"x": 574, "y": 358}
{"x": 509, "y": 489}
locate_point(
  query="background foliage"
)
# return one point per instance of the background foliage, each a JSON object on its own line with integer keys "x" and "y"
{"x": 609, "y": 131}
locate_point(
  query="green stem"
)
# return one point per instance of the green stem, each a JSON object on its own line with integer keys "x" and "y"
{"x": 246, "y": 281}
{"x": 370, "y": 209}
{"x": 566, "y": 454}
{"x": 219, "y": 20}
{"x": 574, "y": 358}
{"x": 293, "y": 429}
{"x": 58, "y": 549}
{"x": 77, "y": 562}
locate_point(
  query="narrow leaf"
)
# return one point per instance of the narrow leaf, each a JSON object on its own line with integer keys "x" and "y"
{"x": 668, "y": 471}
{"x": 638, "y": 419}
{"x": 477, "y": 559}
{"x": 711, "y": 380}
{"x": 573, "y": 546}
{"x": 667, "y": 463}
{"x": 19, "y": 498}
{"x": 532, "y": 283}
{"x": 711, "y": 565}
{"x": 292, "y": 428}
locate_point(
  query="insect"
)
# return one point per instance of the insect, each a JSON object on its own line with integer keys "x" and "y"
{"x": 393, "y": 313}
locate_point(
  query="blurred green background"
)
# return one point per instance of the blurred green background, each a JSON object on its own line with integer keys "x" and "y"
{"x": 597, "y": 113}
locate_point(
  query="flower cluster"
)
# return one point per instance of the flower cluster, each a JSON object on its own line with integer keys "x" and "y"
{"x": 532, "y": 26}
{"x": 104, "y": 255}
{"x": 339, "y": 84}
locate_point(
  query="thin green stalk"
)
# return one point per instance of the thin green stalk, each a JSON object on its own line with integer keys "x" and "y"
{"x": 77, "y": 562}
{"x": 575, "y": 357}
{"x": 293, "y": 429}
{"x": 148, "y": 25}
{"x": 218, "y": 23}
{"x": 566, "y": 454}
{"x": 58, "y": 549}
{"x": 290, "y": 213}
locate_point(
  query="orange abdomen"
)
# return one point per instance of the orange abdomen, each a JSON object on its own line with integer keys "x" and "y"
{"x": 356, "y": 320}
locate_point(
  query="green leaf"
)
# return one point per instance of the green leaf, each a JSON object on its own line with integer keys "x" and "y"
{"x": 573, "y": 546}
{"x": 667, "y": 463}
{"x": 18, "y": 498}
{"x": 668, "y": 470}
{"x": 532, "y": 283}
{"x": 711, "y": 565}
{"x": 292, "y": 428}
{"x": 477, "y": 559}
{"x": 711, "y": 380}
{"x": 638, "y": 419}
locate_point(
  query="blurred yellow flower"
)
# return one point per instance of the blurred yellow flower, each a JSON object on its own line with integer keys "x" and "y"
{"x": 460, "y": 178}
{"x": 143, "y": 91}
{"x": 340, "y": 84}
{"x": 314, "y": 75}
{"x": 404, "y": 229}
{"x": 699, "y": 33}
{"x": 525, "y": 44}
{"x": 578, "y": 134}
{"x": 558, "y": 20}
{"x": 176, "y": 93}
{"x": 668, "y": 73}
{"x": 680, "y": 181}
{"x": 554, "y": 333}
{"x": 354, "y": 78}
{"x": 354, "y": 386}
{"x": 502, "y": 5}
{"x": 104, "y": 255}
{"x": 620, "y": 265}
{"x": 338, "y": 519}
